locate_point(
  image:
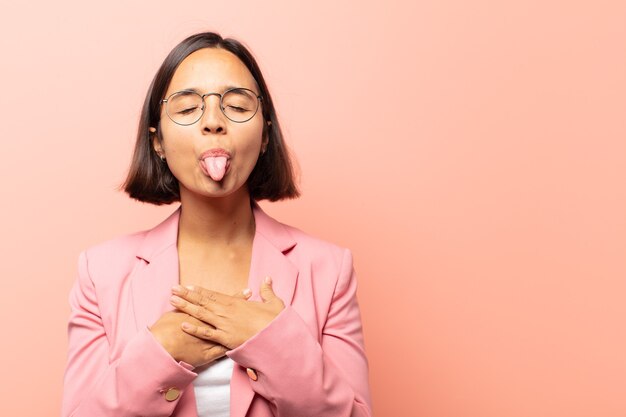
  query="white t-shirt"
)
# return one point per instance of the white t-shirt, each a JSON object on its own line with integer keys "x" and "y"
{"x": 212, "y": 388}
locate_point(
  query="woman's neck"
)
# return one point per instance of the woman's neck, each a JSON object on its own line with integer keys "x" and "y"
{"x": 224, "y": 221}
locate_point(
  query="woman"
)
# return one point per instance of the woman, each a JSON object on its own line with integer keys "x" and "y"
{"x": 219, "y": 310}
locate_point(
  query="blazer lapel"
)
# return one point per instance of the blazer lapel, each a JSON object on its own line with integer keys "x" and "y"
{"x": 271, "y": 242}
{"x": 158, "y": 272}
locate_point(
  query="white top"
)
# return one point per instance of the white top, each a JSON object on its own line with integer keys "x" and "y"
{"x": 212, "y": 388}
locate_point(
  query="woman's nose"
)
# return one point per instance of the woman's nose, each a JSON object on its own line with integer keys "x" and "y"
{"x": 213, "y": 120}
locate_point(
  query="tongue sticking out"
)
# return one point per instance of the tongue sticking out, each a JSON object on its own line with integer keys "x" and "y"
{"x": 216, "y": 165}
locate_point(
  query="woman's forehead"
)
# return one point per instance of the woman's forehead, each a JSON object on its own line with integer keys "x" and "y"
{"x": 211, "y": 70}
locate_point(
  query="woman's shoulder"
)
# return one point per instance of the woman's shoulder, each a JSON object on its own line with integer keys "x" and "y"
{"x": 117, "y": 245}
{"x": 130, "y": 244}
{"x": 311, "y": 239}
{"x": 316, "y": 248}
{"x": 116, "y": 255}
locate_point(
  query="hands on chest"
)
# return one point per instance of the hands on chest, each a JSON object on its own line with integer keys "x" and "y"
{"x": 208, "y": 323}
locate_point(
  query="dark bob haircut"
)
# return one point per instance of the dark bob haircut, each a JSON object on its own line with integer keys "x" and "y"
{"x": 150, "y": 180}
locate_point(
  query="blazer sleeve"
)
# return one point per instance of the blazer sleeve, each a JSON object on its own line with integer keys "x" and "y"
{"x": 300, "y": 375}
{"x": 133, "y": 384}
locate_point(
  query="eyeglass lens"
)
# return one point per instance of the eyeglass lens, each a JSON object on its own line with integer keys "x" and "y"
{"x": 186, "y": 107}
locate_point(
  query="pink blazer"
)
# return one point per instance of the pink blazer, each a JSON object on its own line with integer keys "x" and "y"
{"x": 309, "y": 361}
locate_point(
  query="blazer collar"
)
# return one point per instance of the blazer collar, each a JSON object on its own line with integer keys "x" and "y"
{"x": 166, "y": 233}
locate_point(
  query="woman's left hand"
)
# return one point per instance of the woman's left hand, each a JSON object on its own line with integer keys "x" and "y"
{"x": 231, "y": 320}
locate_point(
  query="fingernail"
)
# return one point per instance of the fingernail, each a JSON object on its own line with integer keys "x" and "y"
{"x": 186, "y": 326}
{"x": 176, "y": 300}
{"x": 177, "y": 289}
{"x": 247, "y": 292}
{"x": 268, "y": 280}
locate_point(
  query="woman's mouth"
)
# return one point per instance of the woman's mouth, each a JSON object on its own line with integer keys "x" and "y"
{"x": 215, "y": 163}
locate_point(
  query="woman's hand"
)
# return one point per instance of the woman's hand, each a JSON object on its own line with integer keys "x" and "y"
{"x": 185, "y": 347}
{"x": 228, "y": 321}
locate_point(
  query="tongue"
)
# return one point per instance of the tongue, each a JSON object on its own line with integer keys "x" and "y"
{"x": 216, "y": 165}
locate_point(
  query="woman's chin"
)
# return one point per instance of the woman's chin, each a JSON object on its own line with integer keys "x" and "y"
{"x": 223, "y": 188}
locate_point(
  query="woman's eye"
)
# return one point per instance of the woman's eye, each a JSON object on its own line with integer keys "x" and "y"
{"x": 238, "y": 109}
{"x": 187, "y": 111}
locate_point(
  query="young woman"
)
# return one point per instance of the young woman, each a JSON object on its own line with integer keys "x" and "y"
{"x": 220, "y": 310}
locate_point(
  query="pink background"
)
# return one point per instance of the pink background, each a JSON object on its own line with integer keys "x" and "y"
{"x": 472, "y": 154}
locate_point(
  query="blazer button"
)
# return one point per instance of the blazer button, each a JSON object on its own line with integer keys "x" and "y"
{"x": 172, "y": 394}
{"x": 252, "y": 374}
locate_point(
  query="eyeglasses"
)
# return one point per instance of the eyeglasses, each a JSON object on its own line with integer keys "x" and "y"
{"x": 186, "y": 107}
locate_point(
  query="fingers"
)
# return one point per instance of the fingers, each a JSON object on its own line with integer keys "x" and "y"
{"x": 203, "y": 297}
{"x": 194, "y": 310}
{"x": 245, "y": 294}
{"x": 205, "y": 333}
{"x": 267, "y": 292}
{"x": 198, "y": 295}
{"x": 216, "y": 352}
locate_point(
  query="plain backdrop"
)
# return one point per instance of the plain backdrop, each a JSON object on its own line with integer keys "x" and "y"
{"x": 472, "y": 154}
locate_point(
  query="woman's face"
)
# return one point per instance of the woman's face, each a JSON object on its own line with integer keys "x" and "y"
{"x": 211, "y": 70}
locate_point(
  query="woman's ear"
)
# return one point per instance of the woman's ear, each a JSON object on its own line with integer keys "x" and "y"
{"x": 156, "y": 143}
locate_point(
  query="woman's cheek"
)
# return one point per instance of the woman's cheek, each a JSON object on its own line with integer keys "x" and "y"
{"x": 253, "y": 154}
{"x": 180, "y": 165}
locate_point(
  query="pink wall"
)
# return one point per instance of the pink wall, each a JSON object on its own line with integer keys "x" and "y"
{"x": 472, "y": 154}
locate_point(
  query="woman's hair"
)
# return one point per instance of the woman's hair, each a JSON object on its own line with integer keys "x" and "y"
{"x": 151, "y": 181}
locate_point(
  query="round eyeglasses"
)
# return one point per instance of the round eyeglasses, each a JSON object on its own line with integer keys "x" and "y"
{"x": 186, "y": 107}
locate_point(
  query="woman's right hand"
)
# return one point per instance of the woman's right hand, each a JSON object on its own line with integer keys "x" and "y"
{"x": 168, "y": 331}
{"x": 182, "y": 346}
